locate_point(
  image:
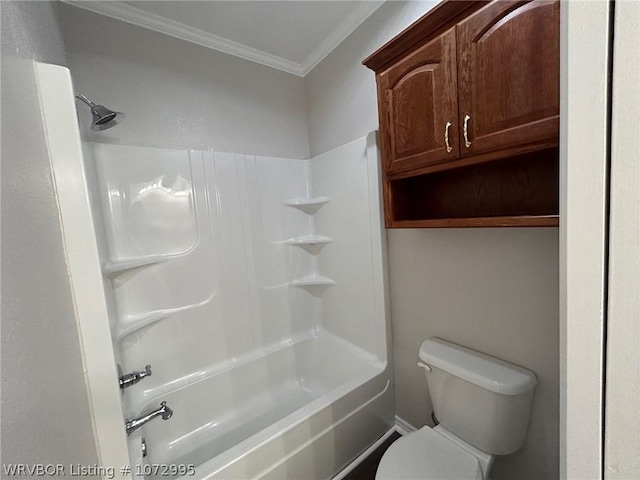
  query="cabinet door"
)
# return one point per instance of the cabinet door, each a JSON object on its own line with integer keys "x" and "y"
{"x": 509, "y": 75}
{"x": 417, "y": 98}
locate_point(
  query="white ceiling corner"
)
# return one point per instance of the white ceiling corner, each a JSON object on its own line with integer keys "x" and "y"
{"x": 142, "y": 18}
{"x": 173, "y": 28}
{"x": 342, "y": 31}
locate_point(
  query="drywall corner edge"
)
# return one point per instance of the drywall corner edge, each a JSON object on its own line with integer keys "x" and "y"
{"x": 583, "y": 199}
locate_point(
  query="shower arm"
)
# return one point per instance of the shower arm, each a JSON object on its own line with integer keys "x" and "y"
{"x": 85, "y": 100}
{"x": 102, "y": 117}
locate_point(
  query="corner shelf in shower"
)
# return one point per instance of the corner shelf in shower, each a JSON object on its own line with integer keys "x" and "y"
{"x": 308, "y": 205}
{"x": 314, "y": 284}
{"x": 312, "y": 281}
{"x": 112, "y": 269}
{"x": 311, "y": 243}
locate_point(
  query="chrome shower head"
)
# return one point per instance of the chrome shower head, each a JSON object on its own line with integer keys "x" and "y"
{"x": 103, "y": 118}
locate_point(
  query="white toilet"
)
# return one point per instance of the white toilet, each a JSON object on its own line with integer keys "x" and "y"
{"x": 483, "y": 406}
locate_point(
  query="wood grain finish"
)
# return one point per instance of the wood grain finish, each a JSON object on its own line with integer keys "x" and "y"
{"x": 417, "y": 99}
{"x": 438, "y": 20}
{"x": 512, "y": 152}
{"x": 481, "y": 222}
{"x": 525, "y": 186}
{"x": 498, "y": 63}
{"x": 509, "y": 78}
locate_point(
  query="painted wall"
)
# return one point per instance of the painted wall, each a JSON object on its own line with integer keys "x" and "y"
{"x": 584, "y": 151}
{"x": 43, "y": 389}
{"x": 492, "y": 290}
{"x": 341, "y": 92}
{"x": 495, "y": 291}
{"x": 180, "y": 95}
{"x": 623, "y": 329}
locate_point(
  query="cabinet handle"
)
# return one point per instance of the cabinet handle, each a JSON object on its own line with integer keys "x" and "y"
{"x": 446, "y": 137}
{"x": 465, "y": 131}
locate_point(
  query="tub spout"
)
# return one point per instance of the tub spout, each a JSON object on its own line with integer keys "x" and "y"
{"x": 134, "y": 423}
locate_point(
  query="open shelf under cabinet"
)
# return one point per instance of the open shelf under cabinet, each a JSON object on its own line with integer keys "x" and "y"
{"x": 519, "y": 191}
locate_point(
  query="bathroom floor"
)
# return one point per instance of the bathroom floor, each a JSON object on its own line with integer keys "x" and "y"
{"x": 367, "y": 469}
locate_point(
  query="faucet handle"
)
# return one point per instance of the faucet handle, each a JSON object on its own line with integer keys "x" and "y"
{"x": 134, "y": 377}
{"x": 165, "y": 412}
{"x": 146, "y": 372}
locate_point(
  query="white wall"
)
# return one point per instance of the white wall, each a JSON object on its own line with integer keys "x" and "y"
{"x": 493, "y": 290}
{"x": 341, "y": 92}
{"x": 622, "y": 430}
{"x": 583, "y": 248}
{"x": 180, "y": 95}
{"x": 45, "y": 411}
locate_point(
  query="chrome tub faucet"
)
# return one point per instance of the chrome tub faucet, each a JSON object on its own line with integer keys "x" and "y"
{"x": 133, "y": 424}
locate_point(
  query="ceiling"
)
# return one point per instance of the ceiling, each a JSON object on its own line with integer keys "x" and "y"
{"x": 292, "y": 36}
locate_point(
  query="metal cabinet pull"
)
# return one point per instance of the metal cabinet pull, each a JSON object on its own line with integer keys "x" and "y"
{"x": 446, "y": 137}
{"x": 465, "y": 131}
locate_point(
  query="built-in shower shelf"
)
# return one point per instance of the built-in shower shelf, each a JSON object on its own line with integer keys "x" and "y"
{"x": 314, "y": 284}
{"x": 313, "y": 281}
{"x": 133, "y": 324}
{"x": 308, "y": 205}
{"x": 112, "y": 269}
{"x": 311, "y": 243}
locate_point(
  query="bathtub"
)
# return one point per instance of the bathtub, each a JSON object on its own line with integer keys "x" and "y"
{"x": 302, "y": 411}
{"x": 258, "y": 300}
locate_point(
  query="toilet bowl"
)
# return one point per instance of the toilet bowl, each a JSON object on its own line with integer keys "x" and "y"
{"x": 433, "y": 454}
{"x": 483, "y": 405}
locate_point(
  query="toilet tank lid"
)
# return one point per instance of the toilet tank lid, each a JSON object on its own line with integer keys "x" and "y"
{"x": 483, "y": 370}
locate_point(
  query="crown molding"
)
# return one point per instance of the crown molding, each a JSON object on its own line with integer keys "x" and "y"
{"x": 151, "y": 21}
{"x": 343, "y": 30}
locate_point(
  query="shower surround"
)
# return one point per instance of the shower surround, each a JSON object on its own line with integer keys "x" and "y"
{"x": 255, "y": 288}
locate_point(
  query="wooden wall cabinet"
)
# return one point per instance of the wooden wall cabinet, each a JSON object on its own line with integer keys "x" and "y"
{"x": 418, "y": 98}
{"x": 468, "y": 101}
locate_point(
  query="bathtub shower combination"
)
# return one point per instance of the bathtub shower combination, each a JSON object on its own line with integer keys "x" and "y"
{"x": 254, "y": 289}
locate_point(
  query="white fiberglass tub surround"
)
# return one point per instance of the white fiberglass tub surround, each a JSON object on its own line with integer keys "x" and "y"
{"x": 246, "y": 400}
{"x": 254, "y": 287}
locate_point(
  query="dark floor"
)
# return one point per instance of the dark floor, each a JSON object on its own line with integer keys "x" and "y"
{"x": 367, "y": 469}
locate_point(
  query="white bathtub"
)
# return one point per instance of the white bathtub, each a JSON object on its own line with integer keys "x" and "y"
{"x": 270, "y": 350}
{"x": 277, "y": 416}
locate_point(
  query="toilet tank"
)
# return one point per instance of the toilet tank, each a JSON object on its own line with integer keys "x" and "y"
{"x": 481, "y": 399}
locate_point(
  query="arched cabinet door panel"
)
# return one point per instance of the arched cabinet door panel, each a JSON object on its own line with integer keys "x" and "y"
{"x": 417, "y": 98}
{"x": 508, "y": 75}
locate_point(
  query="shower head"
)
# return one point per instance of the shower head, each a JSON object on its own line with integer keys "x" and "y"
{"x": 103, "y": 118}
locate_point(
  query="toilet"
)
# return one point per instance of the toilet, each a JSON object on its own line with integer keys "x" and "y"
{"x": 482, "y": 405}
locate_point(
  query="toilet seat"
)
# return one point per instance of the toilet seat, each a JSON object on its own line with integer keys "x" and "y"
{"x": 427, "y": 455}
